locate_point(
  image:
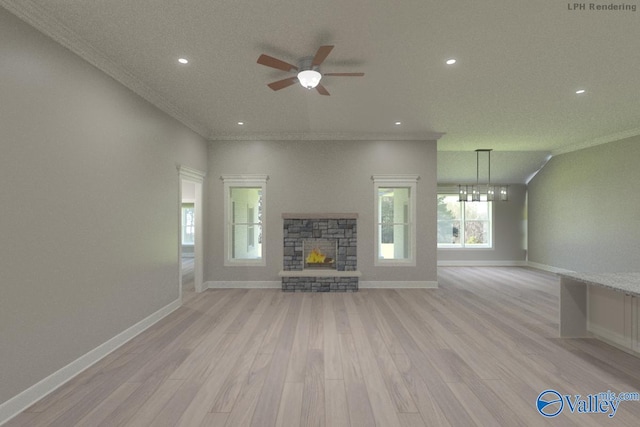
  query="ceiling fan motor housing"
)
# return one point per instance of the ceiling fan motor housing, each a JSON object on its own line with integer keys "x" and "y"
{"x": 306, "y": 64}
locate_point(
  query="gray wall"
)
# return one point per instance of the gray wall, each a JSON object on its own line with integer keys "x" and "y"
{"x": 89, "y": 206}
{"x": 584, "y": 209}
{"x": 509, "y": 234}
{"x": 320, "y": 177}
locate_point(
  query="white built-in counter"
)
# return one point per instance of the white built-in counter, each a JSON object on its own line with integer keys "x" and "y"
{"x": 605, "y": 305}
{"x": 621, "y": 282}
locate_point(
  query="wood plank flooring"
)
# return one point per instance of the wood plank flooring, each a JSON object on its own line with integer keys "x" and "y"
{"x": 476, "y": 351}
{"x": 188, "y": 272}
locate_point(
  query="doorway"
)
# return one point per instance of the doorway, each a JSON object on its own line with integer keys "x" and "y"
{"x": 187, "y": 235}
{"x": 190, "y": 245}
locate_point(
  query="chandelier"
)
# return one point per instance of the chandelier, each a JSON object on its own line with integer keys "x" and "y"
{"x": 483, "y": 192}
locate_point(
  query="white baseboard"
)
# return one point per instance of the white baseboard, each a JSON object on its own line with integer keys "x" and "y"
{"x": 253, "y": 284}
{"x": 549, "y": 268}
{"x": 475, "y": 263}
{"x": 394, "y": 284}
{"x": 22, "y": 401}
{"x": 472, "y": 263}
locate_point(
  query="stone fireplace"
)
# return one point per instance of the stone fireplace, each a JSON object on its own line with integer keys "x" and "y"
{"x": 320, "y": 253}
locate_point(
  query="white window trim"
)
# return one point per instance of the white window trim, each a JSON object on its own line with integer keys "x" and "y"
{"x": 396, "y": 181}
{"x": 250, "y": 181}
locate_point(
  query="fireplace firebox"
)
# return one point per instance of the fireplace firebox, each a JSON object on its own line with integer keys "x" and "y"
{"x": 319, "y": 253}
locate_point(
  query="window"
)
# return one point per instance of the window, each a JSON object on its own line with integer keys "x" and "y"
{"x": 395, "y": 210}
{"x": 244, "y": 220}
{"x": 188, "y": 224}
{"x": 463, "y": 224}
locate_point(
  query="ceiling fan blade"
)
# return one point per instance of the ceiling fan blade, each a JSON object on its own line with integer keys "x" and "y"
{"x": 322, "y": 91}
{"x": 272, "y": 62}
{"x": 344, "y": 74}
{"x": 321, "y": 55}
{"x": 281, "y": 84}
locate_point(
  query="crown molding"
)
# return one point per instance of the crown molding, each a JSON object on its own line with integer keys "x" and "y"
{"x": 37, "y": 17}
{"x": 597, "y": 141}
{"x": 326, "y": 136}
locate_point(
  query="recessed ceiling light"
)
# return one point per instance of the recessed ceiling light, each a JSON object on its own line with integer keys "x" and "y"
{"x": 580, "y": 91}
{"x": 183, "y": 60}
{"x": 240, "y": 123}
{"x": 398, "y": 123}
{"x": 450, "y": 61}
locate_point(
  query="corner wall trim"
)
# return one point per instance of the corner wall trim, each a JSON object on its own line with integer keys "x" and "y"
{"x": 392, "y": 284}
{"x": 257, "y": 284}
{"x": 28, "y": 397}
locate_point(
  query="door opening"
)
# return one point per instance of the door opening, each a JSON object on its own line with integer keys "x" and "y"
{"x": 190, "y": 243}
{"x": 187, "y": 235}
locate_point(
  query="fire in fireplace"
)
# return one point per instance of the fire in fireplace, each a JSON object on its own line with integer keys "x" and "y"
{"x": 319, "y": 253}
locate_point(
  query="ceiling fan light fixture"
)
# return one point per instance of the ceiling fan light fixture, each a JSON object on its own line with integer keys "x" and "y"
{"x": 309, "y": 78}
{"x": 308, "y": 71}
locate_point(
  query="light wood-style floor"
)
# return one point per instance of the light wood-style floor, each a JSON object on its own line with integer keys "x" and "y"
{"x": 188, "y": 270}
{"x": 477, "y": 351}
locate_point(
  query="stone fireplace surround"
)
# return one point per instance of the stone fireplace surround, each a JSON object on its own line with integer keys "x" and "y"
{"x": 341, "y": 228}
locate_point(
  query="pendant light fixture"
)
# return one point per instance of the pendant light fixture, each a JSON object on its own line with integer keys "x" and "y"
{"x": 490, "y": 192}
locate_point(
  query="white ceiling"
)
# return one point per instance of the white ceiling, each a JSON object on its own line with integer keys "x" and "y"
{"x": 512, "y": 89}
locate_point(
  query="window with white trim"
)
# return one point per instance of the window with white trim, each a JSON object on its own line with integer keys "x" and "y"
{"x": 395, "y": 213}
{"x": 244, "y": 205}
{"x": 464, "y": 224}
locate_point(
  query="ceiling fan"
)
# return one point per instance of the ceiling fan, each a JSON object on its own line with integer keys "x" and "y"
{"x": 308, "y": 71}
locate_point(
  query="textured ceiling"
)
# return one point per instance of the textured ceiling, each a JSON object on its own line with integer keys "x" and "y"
{"x": 512, "y": 89}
